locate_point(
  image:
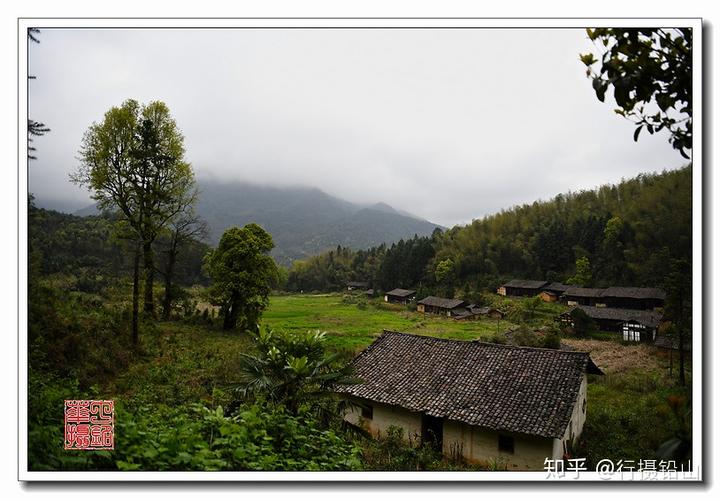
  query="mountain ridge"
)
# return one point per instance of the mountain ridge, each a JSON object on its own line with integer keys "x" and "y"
{"x": 303, "y": 221}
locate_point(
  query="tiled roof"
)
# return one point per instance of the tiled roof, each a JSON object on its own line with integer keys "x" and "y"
{"x": 402, "y": 293}
{"x": 639, "y": 293}
{"x": 648, "y": 318}
{"x": 357, "y": 284}
{"x": 556, "y": 287}
{"x": 501, "y": 387}
{"x": 584, "y": 292}
{"x": 435, "y": 301}
{"x": 525, "y": 284}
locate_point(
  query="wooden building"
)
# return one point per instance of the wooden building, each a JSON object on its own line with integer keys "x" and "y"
{"x": 353, "y": 285}
{"x": 437, "y": 305}
{"x": 635, "y": 298}
{"x": 634, "y": 325}
{"x": 581, "y": 296}
{"x": 482, "y": 401}
{"x": 399, "y": 295}
{"x": 553, "y": 291}
{"x": 521, "y": 287}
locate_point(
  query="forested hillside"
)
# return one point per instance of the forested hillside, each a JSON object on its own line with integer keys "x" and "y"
{"x": 89, "y": 250}
{"x": 632, "y": 233}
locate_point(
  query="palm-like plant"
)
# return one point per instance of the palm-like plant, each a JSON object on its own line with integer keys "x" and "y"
{"x": 291, "y": 369}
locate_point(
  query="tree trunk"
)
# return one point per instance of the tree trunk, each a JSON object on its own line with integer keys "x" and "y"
{"x": 148, "y": 305}
{"x": 231, "y": 314}
{"x": 227, "y": 318}
{"x": 167, "y": 301}
{"x": 136, "y": 294}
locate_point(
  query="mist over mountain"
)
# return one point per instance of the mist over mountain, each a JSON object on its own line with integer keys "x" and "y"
{"x": 303, "y": 221}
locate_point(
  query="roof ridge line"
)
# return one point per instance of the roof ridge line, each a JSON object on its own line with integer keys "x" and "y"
{"x": 502, "y": 345}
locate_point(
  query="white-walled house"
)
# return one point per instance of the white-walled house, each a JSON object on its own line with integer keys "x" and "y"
{"x": 482, "y": 401}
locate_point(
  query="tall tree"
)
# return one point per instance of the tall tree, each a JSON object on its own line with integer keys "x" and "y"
{"x": 132, "y": 162}
{"x": 243, "y": 273}
{"x": 650, "y": 71}
{"x": 35, "y": 128}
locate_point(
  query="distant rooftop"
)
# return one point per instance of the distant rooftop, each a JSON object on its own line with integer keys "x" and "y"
{"x": 436, "y": 301}
{"x": 524, "y": 284}
{"x": 648, "y": 318}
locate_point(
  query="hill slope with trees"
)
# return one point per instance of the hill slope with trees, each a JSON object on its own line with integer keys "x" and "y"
{"x": 633, "y": 233}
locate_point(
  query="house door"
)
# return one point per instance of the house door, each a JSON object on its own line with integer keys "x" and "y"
{"x": 432, "y": 430}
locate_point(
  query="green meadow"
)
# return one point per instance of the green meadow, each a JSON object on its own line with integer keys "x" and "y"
{"x": 352, "y": 322}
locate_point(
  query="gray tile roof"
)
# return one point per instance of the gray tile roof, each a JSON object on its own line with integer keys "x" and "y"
{"x": 525, "y": 284}
{"x": 500, "y": 387}
{"x": 639, "y": 293}
{"x": 357, "y": 284}
{"x": 401, "y": 293}
{"x": 436, "y": 301}
{"x": 584, "y": 292}
{"x": 648, "y": 318}
{"x": 556, "y": 287}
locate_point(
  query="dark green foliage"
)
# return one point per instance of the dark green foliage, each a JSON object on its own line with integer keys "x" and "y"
{"x": 551, "y": 339}
{"x": 185, "y": 438}
{"x": 654, "y": 213}
{"x": 394, "y": 453}
{"x": 291, "y": 369}
{"x": 76, "y": 335}
{"x": 403, "y": 264}
{"x": 583, "y": 273}
{"x": 582, "y": 324}
{"x": 243, "y": 274}
{"x": 632, "y": 417}
{"x": 261, "y": 438}
{"x": 75, "y": 245}
{"x": 650, "y": 71}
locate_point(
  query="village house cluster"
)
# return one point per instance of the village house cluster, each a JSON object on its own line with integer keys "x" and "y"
{"x": 634, "y": 312}
{"x": 450, "y": 307}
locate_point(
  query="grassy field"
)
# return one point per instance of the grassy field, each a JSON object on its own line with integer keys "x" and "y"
{"x": 352, "y": 322}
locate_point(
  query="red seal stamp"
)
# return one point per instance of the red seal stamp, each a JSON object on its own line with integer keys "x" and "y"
{"x": 90, "y": 424}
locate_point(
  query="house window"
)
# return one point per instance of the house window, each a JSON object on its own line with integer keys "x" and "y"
{"x": 506, "y": 444}
{"x": 631, "y": 331}
{"x": 367, "y": 412}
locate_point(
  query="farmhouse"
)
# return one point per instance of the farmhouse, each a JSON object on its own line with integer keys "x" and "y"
{"x": 399, "y": 295}
{"x": 553, "y": 291}
{"x": 353, "y": 285}
{"x": 521, "y": 287}
{"x": 581, "y": 296}
{"x": 482, "y": 401}
{"x": 637, "y": 298}
{"x": 437, "y": 305}
{"x": 635, "y": 325}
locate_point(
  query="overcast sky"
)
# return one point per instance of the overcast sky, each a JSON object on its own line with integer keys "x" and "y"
{"x": 450, "y": 125}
